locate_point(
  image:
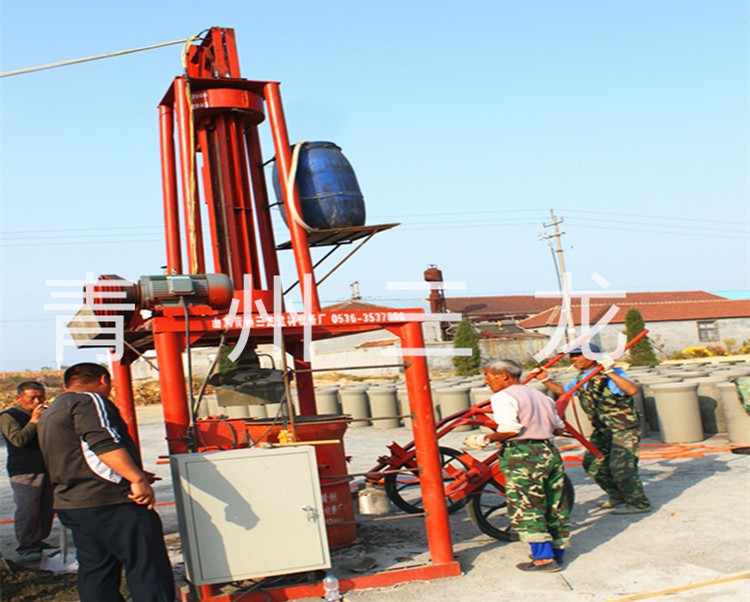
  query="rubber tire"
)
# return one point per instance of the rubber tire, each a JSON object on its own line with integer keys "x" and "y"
{"x": 492, "y": 518}
{"x": 393, "y": 484}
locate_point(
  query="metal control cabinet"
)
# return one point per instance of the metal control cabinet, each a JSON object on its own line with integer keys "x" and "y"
{"x": 249, "y": 513}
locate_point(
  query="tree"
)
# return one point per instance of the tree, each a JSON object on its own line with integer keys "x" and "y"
{"x": 466, "y": 365}
{"x": 642, "y": 353}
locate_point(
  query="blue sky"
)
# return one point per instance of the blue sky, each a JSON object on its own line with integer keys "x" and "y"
{"x": 466, "y": 122}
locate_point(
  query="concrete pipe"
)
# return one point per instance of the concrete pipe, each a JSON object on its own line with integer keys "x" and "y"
{"x": 678, "y": 411}
{"x": 691, "y": 374}
{"x": 436, "y": 400}
{"x": 478, "y": 395}
{"x": 539, "y": 386}
{"x": 402, "y": 395}
{"x": 455, "y": 399}
{"x": 258, "y": 411}
{"x": 384, "y": 405}
{"x": 277, "y": 409}
{"x": 209, "y": 407}
{"x": 710, "y": 404}
{"x": 736, "y": 372}
{"x": 327, "y": 400}
{"x": 236, "y": 411}
{"x": 649, "y": 401}
{"x": 738, "y": 421}
{"x": 354, "y": 403}
{"x": 638, "y": 400}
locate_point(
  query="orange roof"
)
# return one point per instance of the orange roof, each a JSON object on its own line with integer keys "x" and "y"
{"x": 511, "y": 304}
{"x": 660, "y": 311}
{"x": 529, "y": 304}
{"x": 353, "y": 305}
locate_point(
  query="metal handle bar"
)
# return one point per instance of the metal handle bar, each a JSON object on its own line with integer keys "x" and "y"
{"x": 480, "y": 407}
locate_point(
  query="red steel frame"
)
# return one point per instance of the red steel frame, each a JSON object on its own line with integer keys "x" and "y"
{"x": 213, "y": 112}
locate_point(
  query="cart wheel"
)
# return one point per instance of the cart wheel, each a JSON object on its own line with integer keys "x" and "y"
{"x": 488, "y": 509}
{"x": 404, "y": 490}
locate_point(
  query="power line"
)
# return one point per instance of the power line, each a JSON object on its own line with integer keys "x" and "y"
{"x": 646, "y": 216}
{"x": 89, "y": 58}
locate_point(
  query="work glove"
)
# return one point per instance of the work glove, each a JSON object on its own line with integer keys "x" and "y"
{"x": 607, "y": 363}
{"x": 476, "y": 441}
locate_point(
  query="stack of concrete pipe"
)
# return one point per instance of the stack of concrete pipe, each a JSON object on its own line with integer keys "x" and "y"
{"x": 690, "y": 404}
{"x": 683, "y": 404}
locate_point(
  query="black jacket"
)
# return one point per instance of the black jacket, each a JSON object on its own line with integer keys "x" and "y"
{"x": 72, "y": 432}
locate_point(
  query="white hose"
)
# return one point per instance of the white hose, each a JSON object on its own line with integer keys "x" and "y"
{"x": 290, "y": 187}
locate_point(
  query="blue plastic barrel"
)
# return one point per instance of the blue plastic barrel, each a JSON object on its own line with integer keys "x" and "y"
{"x": 329, "y": 192}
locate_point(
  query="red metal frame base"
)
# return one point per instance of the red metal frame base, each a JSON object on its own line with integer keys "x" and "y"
{"x": 295, "y": 592}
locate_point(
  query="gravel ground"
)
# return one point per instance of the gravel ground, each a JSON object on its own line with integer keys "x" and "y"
{"x": 699, "y": 533}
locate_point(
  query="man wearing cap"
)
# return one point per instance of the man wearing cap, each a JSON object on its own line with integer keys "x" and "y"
{"x": 607, "y": 400}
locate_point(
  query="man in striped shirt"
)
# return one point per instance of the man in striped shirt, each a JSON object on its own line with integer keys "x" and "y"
{"x": 102, "y": 494}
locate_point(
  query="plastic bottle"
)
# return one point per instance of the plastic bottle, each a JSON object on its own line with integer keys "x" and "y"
{"x": 331, "y": 588}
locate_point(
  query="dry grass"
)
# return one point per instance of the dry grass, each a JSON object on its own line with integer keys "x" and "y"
{"x": 145, "y": 392}
{"x": 51, "y": 379}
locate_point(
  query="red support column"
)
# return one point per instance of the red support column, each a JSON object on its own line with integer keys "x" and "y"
{"x": 261, "y": 202}
{"x": 426, "y": 445}
{"x": 193, "y": 231}
{"x": 169, "y": 190}
{"x": 291, "y": 196}
{"x": 173, "y": 393}
{"x": 305, "y": 384}
{"x": 124, "y": 400}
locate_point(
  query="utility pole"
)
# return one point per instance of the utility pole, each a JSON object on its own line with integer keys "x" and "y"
{"x": 562, "y": 275}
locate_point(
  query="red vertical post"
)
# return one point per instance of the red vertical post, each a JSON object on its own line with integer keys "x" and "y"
{"x": 426, "y": 446}
{"x": 196, "y": 262}
{"x": 305, "y": 384}
{"x": 291, "y": 196}
{"x": 222, "y": 164}
{"x": 213, "y": 207}
{"x": 260, "y": 198}
{"x": 169, "y": 189}
{"x": 124, "y": 400}
{"x": 174, "y": 401}
{"x": 243, "y": 208}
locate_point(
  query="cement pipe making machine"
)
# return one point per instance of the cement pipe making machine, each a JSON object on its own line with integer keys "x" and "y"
{"x": 256, "y": 497}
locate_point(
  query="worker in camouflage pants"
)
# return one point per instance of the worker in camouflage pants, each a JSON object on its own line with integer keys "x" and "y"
{"x": 531, "y": 464}
{"x": 608, "y": 401}
{"x": 534, "y": 480}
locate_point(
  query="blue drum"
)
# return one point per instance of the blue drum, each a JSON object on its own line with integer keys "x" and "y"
{"x": 329, "y": 192}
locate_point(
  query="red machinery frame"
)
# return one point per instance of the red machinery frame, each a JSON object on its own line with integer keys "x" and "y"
{"x": 212, "y": 111}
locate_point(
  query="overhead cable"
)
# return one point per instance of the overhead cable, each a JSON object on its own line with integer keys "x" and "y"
{"x": 89, "y": 58}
